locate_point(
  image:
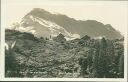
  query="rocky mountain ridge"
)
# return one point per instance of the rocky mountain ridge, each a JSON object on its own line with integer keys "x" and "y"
{"x": 45, "y": 24}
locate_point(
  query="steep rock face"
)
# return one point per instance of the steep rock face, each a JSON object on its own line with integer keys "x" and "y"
{"x": 89, "y": 27}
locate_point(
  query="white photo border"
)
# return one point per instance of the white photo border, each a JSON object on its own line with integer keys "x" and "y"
{"x": 2, "y": 58}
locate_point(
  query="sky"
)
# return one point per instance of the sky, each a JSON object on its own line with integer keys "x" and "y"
{"x": 107, "y": 12}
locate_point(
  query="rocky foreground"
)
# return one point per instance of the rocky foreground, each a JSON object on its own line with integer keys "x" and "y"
{"x": 29, "y": 56}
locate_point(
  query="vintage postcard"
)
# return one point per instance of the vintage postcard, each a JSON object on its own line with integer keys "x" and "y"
{"x": 63, "y": 40}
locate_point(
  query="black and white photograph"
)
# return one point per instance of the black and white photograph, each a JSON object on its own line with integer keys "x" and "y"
{"x": 64, "y": 39}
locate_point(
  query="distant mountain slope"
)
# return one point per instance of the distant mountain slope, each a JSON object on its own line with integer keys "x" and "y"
{"x": 89, "y": 27}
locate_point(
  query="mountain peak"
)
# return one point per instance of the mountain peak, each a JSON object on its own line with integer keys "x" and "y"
{"x": 71, "y": 26}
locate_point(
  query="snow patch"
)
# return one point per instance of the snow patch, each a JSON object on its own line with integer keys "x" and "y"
{"x": 26, "y": 29}
{"x": 76, "y": 35}
{"x": 100, "y": 37}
